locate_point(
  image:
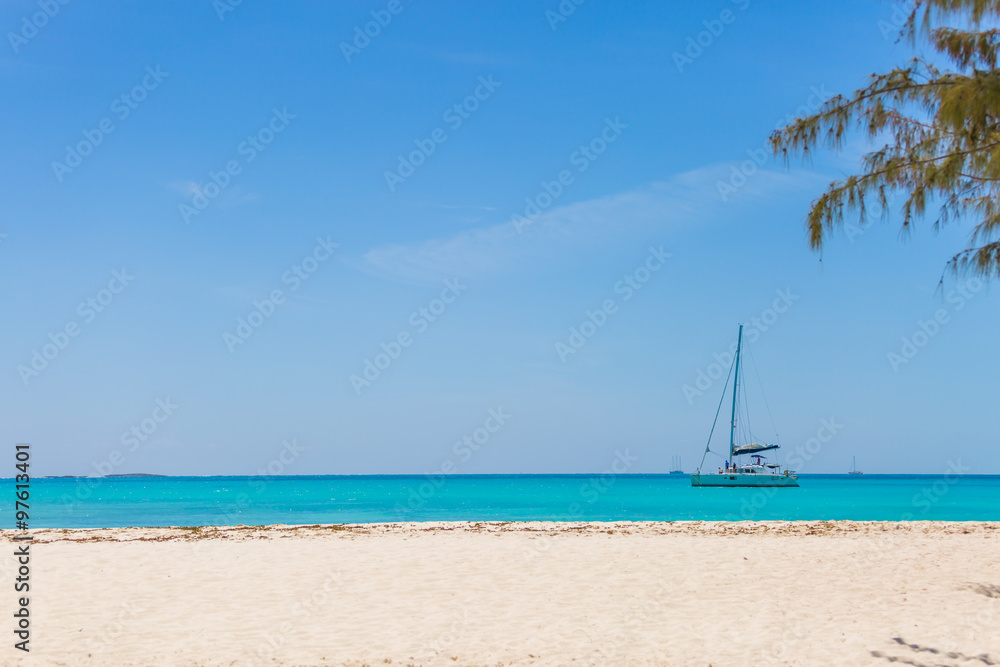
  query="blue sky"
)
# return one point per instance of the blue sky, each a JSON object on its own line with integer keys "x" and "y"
{"x": 301, "y": 131}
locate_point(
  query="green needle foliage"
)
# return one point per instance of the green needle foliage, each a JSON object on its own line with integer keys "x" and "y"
{"x": 939, "y": 130}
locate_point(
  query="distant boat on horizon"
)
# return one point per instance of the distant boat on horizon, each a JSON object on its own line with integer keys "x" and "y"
{"x": 756, "y": 473}
{"x": 854, "y": 467}
{"x": 675, "y": 466}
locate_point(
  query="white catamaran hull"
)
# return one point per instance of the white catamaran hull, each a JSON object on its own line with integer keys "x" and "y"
{"x": 744, "y": 480}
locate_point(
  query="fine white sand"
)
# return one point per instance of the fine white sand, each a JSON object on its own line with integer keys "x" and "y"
{"x": 688, "y": 593}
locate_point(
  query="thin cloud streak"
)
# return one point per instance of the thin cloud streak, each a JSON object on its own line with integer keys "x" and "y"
{"x": 689, "y": 198}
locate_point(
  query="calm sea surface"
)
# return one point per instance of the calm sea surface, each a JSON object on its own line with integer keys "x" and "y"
{"x": 191, "y": 501}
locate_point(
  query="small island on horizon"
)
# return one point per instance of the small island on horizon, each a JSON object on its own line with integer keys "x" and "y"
{"x": 127, "y": 474}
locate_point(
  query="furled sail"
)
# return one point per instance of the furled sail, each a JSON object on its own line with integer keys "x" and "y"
{"x": 752, "y": 449}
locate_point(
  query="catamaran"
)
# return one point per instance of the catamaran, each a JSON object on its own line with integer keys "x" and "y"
{"x": 756, "y": 472}
{"x": 854, "y": 467}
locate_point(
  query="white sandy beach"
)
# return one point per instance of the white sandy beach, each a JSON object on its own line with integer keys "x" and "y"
{"x": 699, "y": 593}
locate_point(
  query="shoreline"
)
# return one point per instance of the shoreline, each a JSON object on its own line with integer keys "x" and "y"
{"x": 713, "y": 528}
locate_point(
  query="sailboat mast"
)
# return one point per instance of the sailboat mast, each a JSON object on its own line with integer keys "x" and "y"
{"x": 736, "y": 385}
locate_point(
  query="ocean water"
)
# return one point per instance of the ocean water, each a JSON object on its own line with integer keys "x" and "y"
{"x": 197, "y": 501}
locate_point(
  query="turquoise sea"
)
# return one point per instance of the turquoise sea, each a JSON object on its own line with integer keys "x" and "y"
{"x": 192, "y": 501}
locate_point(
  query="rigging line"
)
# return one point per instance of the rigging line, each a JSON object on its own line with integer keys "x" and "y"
{"x": 717, "y": 410}
{"x": 777, "y": 438}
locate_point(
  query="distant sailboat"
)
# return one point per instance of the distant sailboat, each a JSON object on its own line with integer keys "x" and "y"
{"x": 675, "y": 466}
{"x": 854, "y": 467}
{"x": 756, "y": 473}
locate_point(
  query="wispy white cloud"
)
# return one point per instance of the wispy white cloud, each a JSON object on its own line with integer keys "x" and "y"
{"x": 689, "y": 198}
